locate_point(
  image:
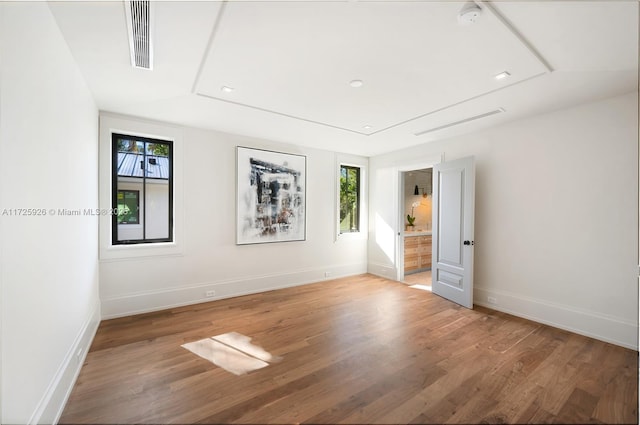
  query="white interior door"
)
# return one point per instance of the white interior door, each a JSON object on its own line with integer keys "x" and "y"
{"x": 453, "y": 212}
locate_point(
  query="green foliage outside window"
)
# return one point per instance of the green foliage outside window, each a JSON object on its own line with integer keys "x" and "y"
{"x": 349, "y": 199}
{"x": 159, "y": 149}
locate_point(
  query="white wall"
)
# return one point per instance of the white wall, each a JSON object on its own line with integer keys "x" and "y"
{"x": 556, "y": 216}
{"x": 49, "y": 267}
{"x": 205, "y": 255}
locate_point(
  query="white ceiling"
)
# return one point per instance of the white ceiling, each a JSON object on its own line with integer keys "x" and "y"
{"x": 290, "y": 64}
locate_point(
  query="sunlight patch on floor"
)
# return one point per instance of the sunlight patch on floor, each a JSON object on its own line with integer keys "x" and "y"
{"x": 421, "y": 287}
{"x": 233, "y": 352}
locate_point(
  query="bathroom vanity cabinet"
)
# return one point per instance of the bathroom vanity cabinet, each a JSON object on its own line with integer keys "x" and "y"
{"x": 417, "y": 252}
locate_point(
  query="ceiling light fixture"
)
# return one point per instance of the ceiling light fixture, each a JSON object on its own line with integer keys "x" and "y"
{"x": 469, "y": 13}
{"x": 502, "y": 75}
{"x": 356, "y": 83}
{"x": 367, "y": 127}
{"x": 226, "y": 89}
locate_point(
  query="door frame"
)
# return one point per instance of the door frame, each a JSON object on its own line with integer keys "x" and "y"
{"x": 427, "y": 162}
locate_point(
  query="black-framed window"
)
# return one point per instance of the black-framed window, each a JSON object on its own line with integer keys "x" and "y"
{"x": 128, "y": 207}
{"x": 349, "y": 199}
{"x": 142, "y": 190}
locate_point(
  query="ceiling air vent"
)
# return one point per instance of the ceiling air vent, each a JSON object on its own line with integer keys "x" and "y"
{"x": 139, "y": 26}
{"x": 476, "y": 117}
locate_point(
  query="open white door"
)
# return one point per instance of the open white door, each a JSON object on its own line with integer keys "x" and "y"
{"x": 453, "y": 212}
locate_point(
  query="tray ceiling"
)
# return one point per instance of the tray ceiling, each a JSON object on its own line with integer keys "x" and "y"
{"x": 288, "y": 65}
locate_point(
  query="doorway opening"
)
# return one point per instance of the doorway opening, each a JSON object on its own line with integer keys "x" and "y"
{"x": 415, "y": 242}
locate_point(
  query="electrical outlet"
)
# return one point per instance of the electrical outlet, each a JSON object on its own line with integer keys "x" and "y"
{"x": 211, "y": 293}
{"x": 492, "y": 300}
{"x": 327, "y": 274}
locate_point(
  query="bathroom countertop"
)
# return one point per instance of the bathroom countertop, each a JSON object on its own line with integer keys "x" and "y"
{"x": 417, "y": 233}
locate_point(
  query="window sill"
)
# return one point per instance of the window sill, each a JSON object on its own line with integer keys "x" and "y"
{"x": 351, "y": 236}
{"x": 143, "y": 250}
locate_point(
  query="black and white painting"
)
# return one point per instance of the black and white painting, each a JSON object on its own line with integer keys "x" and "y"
{"x": 271, "y": 196}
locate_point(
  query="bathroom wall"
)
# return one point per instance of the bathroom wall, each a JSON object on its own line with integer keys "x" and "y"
{"x": 422, "y": 211}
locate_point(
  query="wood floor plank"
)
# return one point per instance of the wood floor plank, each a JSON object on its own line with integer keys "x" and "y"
{"x": 579, "y": 406}
{"x": 361, "y": 349}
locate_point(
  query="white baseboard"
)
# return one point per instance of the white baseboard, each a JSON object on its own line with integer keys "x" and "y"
{"x": 55, "y": 397}
{"x": 179, "y": 296}
{"x": 382, "y": 270}
{"x": 588, "y": 323}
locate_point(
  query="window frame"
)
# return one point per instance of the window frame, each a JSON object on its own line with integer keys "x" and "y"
{"x": 362, "y": 164}
{"x": 114, "y": 190}
{"x": 358, "y": 195}
{"x": 110, "y": 123}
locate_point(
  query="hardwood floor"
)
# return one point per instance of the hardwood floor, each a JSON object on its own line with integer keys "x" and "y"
{"x": 354, "y": 350}
{"x": 421, "y": 278}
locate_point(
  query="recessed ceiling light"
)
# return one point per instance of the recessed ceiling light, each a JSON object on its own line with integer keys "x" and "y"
{"x": 355, "y": 83}
{"x": 502, "y": 75}
{"x": 367, "y": 127}
{"x": 227, "y": 89}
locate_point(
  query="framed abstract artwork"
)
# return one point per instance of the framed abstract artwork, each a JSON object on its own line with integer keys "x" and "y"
{"x": 271, "y": 196}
